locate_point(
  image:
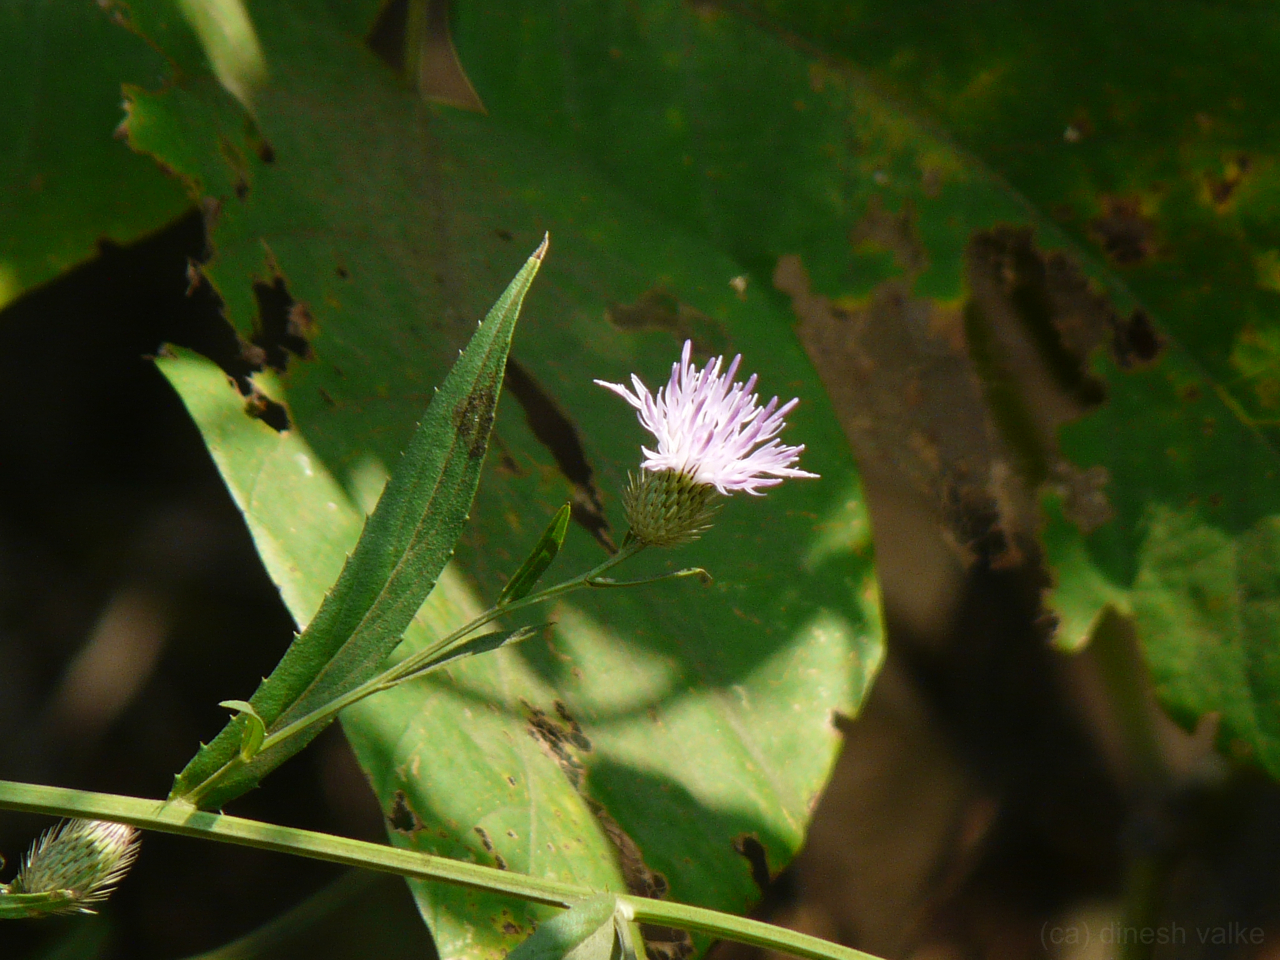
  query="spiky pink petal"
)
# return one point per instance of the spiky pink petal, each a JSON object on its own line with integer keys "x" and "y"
{"x": 712, "y": 429}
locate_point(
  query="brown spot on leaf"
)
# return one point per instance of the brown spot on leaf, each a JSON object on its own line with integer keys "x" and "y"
{"x": 474, "y": 419}
{"x": 931, "y": 182}
{"x": 1085, "y": 500}
{"x": 1034, "y": 320}
{"x": 1049, "y": 299}
{"x": 560, "y": 737}
{"x": 299, "y": 325}
{"x": 511, "y": 929}
{"x": 641, "y": 880}
{"x": 1126, "y": 235}
{"x": 1222, "y": 188}
{"x": 575, "y": 734}
{"x": 666, "y": 943}
{"x": 656, "y": 309}
{"x": 1135, "y": 340}
{"x": 555, "y": 431}
{"x": 894, "y": 232}
{"x": 555, "y": 740}
{"x": 487, "y": 843}
{"x": 402, "y": 817}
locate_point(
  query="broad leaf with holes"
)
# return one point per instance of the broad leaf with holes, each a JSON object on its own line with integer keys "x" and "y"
{"x": 972, "y": 351}
{"x": 66, "y": 183}
{"x": 1121, "y": 123}
{"x": 657, "y": 731}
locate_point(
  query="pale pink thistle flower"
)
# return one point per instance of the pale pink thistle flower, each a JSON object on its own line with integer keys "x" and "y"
{"x": 713, "y": 437}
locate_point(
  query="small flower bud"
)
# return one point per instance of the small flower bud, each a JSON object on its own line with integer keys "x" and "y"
{"x": 666, "y": 508}
{"x": 84, "y": 858}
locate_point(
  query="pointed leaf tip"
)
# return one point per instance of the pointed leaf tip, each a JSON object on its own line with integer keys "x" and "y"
{"x": 544, "y": 551}
{"x": 541, "y": 252}
{"x": 255, "y": 730}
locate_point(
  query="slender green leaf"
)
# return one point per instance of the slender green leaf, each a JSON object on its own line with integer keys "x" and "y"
{"x": 484, "y": 643}
{"x": 535, "y": 565}
{"x": 406, "y": 543}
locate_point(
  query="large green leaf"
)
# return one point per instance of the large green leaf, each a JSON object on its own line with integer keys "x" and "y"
{"x": 670, "y": 738}
{"x": 65, "y": 182}
{"x": 942, "y": 311}
{"x": 1120, "y": 122}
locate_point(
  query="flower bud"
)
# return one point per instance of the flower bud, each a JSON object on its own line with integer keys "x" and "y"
{"x": 666, "y": 508}
{"x": 83, "y": 858}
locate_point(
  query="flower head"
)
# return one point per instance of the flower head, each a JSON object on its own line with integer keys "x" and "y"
{"x": 83, "y": 859}
{"x": 713, "y": 430}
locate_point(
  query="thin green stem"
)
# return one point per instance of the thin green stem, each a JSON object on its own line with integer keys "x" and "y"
{"x": 418, "y": 662}
{"x": 15, "y": 906}
{"x": 407, "y": 668}
{"x": 185, "y": 821}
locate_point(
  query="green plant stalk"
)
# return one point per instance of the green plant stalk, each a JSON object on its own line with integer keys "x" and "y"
{"x": 21, "y": 905}
{"x": 185, "y": 821}
{"x": 406, "y": 669}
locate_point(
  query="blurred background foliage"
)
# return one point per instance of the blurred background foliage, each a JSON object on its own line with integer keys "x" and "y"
{"x": 1022, "y": 264}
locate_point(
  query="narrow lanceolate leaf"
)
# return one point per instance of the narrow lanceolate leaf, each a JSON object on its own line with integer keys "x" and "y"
{"x": 544, "y": 551}
{"x": 484, "y": 643}
{"x": 405, "y": 544}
